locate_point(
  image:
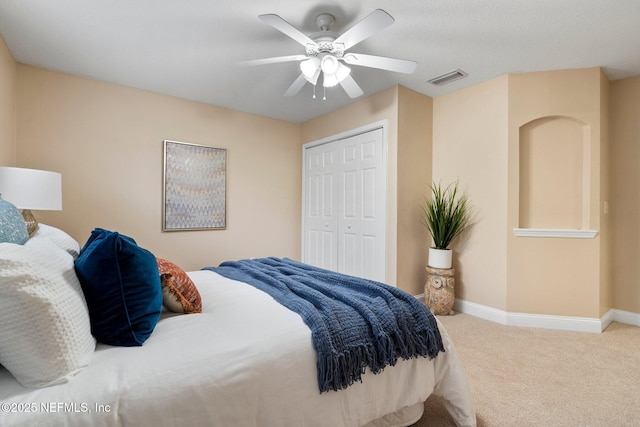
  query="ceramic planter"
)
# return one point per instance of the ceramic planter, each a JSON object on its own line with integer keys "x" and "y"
{"x": 440, "y": 258}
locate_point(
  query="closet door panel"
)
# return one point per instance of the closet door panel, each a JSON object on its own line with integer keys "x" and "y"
{"x": 361, "y": 225}
{"x": 321, "y": 220}
{"x": 350, "y": 195}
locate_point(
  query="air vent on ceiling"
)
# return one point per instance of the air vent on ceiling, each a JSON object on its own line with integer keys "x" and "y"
{"x": 447, "y": 78}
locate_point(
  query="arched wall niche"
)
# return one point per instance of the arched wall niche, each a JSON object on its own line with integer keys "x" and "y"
{"x": 554, "y": 174}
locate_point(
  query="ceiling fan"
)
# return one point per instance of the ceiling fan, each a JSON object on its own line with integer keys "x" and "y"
{"x": 326, "y": 52}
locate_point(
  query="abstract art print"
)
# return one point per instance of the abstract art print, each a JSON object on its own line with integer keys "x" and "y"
{"x": 194, "y": 187}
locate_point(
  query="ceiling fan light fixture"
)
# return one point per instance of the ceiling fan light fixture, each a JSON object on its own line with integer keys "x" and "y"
{"x": 310, "y": 68}
{"x": 313, "y": 79}
{"x": 343, "y": 72}
{"x": 330, "y": 80}
{"x": 329, "y": 64}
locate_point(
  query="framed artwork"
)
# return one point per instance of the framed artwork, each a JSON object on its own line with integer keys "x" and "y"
{"x": 194, "y": 190}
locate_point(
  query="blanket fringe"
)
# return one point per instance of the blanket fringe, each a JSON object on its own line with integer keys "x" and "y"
{"x": 339, "y": 371}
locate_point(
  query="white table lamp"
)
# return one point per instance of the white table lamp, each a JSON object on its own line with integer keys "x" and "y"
{"x": 31, "y": 189}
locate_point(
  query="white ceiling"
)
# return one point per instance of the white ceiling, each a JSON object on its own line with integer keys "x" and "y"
{"x": 191, "y": 48}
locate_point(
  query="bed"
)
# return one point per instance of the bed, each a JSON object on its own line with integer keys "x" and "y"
{"x": 244, "y": 360}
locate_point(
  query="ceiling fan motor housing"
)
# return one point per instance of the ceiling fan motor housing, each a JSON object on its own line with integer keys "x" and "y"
{"x": 325, "y": 21}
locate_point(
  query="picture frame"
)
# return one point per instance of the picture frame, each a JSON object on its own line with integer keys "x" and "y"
{"x": 194, "y": 187}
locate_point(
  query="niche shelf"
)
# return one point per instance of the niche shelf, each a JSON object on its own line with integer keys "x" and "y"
{"x": 558, "y": 233}
{"x": 554, "y": 178}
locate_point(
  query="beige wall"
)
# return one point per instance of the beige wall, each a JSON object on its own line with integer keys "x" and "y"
{"x": 470, "y": 146}
{"x": 415, "y": 130}
{"x": 409, "y": 117}
{"x": 625, "y": 193}
{"x": 107, "y": 141}
{"x": 606, "y": 225}
{"x": 552, "y": 275}
{"x": 8, "y": 78}
{"x": 375, "y": 108}
{"x": 477, "y": 139}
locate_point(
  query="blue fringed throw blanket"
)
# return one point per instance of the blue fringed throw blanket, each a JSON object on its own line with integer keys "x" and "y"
{"x": 354, "y": 322}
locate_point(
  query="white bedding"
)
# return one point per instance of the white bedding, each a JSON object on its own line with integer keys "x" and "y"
{"x": 244, "y": 361}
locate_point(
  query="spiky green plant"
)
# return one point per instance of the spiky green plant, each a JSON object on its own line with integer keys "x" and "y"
{"x": 445, "y": 214}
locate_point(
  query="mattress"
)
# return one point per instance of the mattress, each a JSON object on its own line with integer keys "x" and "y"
{"x": 244, "y": 361}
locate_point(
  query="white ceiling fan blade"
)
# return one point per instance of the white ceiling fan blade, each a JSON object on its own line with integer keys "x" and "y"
{"x": 283, "y": 26}
{"x": 274, "y": 60}
{"x": 381, "y": 62}
{"x": 351, "y": 87}
{"x": 368, "y": 26}
{"x": 296, "y": 86}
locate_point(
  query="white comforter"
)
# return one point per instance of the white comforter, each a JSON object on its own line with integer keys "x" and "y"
{"x": 244, "y": 361}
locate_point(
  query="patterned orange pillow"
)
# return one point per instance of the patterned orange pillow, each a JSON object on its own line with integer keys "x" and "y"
{"x": 179, "y": 294}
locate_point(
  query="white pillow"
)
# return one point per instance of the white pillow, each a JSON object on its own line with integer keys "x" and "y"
{"x": 45, "y": 333}
{"x": 60, "y": 238}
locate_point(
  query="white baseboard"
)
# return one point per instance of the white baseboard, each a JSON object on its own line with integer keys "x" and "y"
{"x": 481, "y": 311}
{"x": 544, "y": 321}
{"x": 563, "y": 323}
{"x": 626, "y": 317}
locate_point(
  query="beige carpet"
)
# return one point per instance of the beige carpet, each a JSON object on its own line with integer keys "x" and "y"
{"x": 537, "y": 377}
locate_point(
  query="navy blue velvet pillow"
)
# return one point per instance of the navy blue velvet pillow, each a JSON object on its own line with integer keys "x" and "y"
{"x": 121, "y": 284}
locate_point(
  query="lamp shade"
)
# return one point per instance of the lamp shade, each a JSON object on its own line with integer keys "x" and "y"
{"x": 31, "y": 188}
{"x": 338, "y": 76}
{"x": 310, "y": 68}
{"x": 329, "y": 64}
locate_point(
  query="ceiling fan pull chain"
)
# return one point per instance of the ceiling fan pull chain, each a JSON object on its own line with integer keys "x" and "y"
{"x": 314, "y": 91}
{"x": 324, "y": 93}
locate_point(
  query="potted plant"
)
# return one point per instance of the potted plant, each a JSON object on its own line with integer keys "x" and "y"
{"x": 445, "y": 215}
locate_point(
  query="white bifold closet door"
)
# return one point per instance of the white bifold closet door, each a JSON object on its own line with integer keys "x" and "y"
{"x": 344, "y": 205}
